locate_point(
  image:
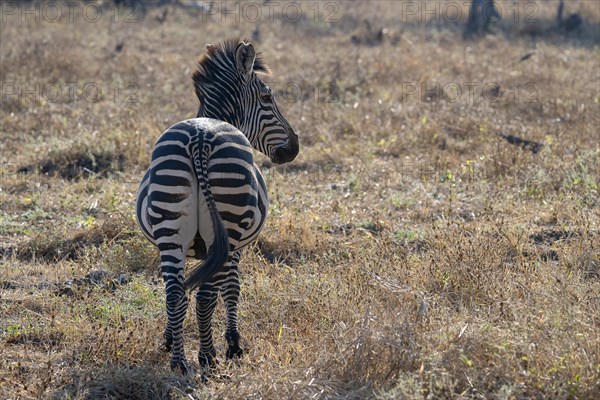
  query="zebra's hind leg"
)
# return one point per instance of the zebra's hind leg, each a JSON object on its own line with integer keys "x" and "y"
{"x": 172, "y": 266}
{"x": 230, "y": 290}
{"x": 206, "y": 301}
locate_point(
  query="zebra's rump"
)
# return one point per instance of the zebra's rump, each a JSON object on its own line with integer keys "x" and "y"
{"x": 167, "y": 195}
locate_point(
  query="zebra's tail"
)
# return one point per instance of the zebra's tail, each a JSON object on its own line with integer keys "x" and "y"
{"x": 219, "y": 250}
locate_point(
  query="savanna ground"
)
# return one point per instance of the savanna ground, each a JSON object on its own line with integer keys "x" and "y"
{"x": 411, "y": 251}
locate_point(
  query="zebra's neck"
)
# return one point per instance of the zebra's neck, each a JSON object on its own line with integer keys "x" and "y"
{"x": 231, "y": 118}
{"x": 232, "y": 115}
{"x": 224, "y": 108}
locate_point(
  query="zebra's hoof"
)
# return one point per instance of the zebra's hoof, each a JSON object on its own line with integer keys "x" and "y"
{"x": 207, "y": 360}
{"x": 181, "y": 366}
{"x": 234, "y": 352}
{"x": 233, "y": 345}
{"x": 168, "y": 343}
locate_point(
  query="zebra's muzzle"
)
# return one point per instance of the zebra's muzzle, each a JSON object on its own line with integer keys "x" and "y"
{"x": 285, "y": 154}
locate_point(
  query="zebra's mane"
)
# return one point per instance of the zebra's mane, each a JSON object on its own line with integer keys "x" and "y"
{"x": 220, "y": 60}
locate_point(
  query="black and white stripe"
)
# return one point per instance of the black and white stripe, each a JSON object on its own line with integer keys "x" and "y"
{"x": 204, "y": 197}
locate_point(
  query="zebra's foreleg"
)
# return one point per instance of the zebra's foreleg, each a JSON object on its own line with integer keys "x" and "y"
{"x": 206, "y": 301}
{"x": 230, "y": 290}
{"x": 177, "y": 302}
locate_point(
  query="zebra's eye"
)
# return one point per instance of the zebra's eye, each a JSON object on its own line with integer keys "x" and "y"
{"x": 266, "y": 97}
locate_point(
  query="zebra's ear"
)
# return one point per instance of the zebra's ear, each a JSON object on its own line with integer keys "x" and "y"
{"x": 244, "y": 58}
{"x": 210, "y": 47}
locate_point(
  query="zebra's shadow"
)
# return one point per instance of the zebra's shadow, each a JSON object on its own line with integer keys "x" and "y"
{"x": 138, "y": 382}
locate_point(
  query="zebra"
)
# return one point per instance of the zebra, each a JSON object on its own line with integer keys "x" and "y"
{"x": 204, "y": 197}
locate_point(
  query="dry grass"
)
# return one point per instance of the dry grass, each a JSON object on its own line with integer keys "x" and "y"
{"x": 411, "y": 252}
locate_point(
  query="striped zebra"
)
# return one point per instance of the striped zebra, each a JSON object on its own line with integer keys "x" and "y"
{"x": 204, "y": 197}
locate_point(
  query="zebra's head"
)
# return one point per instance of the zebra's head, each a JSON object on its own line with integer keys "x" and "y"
{"x": 229, "y": 88}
